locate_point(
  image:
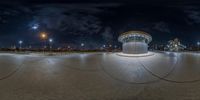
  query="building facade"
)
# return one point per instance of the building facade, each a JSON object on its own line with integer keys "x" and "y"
{"x": 135, "y": 42}
{"x": 175, "y": 45}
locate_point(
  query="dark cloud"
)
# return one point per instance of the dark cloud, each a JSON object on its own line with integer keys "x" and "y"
{"x": 162, "y": 27}
{"x": 193, "y": 15}
{"x": 107, "y": 34}
{"x": 99, "y": 21}
{"x": 72, "y": 19}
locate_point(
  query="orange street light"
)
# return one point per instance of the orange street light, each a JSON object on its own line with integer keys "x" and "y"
{"x": 43, "y": 35}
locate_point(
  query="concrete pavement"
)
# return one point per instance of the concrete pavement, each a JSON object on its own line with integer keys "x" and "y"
{"x": 100, "y": 76}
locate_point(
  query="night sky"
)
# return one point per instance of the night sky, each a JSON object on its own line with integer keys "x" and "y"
{"x": 97, "y": 22}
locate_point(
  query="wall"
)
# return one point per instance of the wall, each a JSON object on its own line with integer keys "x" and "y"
{"x": 135, "y": 47}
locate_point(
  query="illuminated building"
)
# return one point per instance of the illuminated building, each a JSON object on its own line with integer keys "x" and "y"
{"x": 135, "y": 42}
{"x": 175, "y": 45}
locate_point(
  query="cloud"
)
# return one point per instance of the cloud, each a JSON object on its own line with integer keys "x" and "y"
{"x": 72, "y": 19}
{"x": 193, "y": 14}
{"x": 162, "y": 27}
{"x": 107, "y": 34}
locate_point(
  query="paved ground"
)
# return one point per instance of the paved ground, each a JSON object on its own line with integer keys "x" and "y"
{"x": 100, "y": 76}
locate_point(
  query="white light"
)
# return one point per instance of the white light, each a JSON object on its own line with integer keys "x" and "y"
{"x": 20, "y": 42}
{"x": 82, "y": 44}
{"x": 104, "y": 45}
{"x": 50, "y": 40}
{"x": 198, "y": 43}
{"x": 135, "y": 55}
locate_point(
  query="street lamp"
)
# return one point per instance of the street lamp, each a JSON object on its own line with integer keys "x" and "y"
{"x": 50, "y": 42}
{"x": 68, "y": 47}
{"x": 20, "y": 43}
{"x": 44, "y": 37}
{"x": 104, "y": 46}
{"x": 198, "y": 44}
{"x": 82, "y": 44}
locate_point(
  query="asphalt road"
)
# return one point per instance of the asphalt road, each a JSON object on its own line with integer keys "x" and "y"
{"x": 100, "y": 76}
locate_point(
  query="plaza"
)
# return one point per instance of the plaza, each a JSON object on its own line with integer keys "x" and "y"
{"x": 100, "y": 76}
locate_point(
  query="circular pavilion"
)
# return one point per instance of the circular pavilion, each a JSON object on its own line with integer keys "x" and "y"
{"x": 135, "y": 42}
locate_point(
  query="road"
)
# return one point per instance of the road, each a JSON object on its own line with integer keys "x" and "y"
{"x": 100, "y": 76}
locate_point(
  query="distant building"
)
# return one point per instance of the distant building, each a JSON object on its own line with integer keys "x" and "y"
{"x": 135, "y": 42}
{"x": 175, "y": 45}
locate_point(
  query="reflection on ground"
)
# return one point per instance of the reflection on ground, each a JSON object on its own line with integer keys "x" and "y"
{"x": 100, "y": 76}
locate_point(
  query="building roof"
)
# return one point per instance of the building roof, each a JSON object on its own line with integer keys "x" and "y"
{"x": 134, "y": 33}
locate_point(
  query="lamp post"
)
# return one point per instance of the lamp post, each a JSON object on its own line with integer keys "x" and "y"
{"x": 44, "y": 37}
{"x": 20, "y": 44}
{"x": 68, "y": 47}
{"x": 50, "y": 43}
{"x": 110, "y": 48}
{"x": 82, "y": 45}
{"x": 104, "y": 46}
{"x": 198, "y": 44}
